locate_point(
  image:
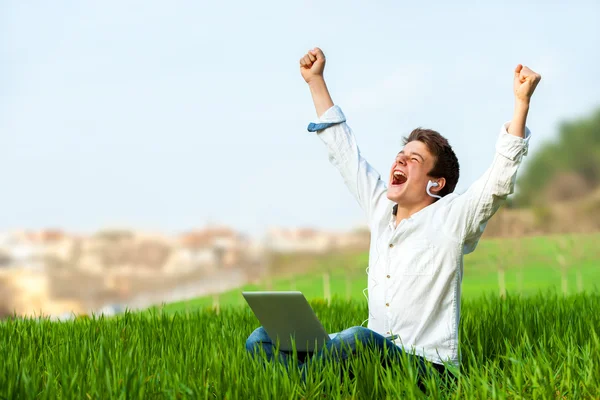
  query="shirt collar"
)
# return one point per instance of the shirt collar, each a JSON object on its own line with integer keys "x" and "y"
{"x": 394, "y": 210}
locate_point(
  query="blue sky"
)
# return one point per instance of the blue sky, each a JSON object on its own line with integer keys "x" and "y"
{"x": 169, "y": 116}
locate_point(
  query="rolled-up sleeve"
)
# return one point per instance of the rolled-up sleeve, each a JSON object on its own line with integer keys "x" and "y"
{"x": 470, "y": 211}
{"x": 363, "y": 181}
{"x": 511, "y": 146}
{"x": 331, "y": 117}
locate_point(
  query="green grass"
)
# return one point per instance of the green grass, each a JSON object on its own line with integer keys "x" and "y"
{"x": 541, "y": 346}
{"x": 531, "y": 264}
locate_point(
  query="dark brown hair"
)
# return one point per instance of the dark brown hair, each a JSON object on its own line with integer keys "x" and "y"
{"x": 445, "y": 163}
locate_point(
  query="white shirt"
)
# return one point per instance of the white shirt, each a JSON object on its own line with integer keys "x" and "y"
{"x": 415, "y": 269}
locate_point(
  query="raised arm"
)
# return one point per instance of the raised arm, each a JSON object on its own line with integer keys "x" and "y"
{"x": 363, "y": 181}
{"x": 472, "y": 210}
{"x": 524, "y": 83}
{"x": 312, "y": 66}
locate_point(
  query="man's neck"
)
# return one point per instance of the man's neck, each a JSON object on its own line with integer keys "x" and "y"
{"x": 406, "y": 211}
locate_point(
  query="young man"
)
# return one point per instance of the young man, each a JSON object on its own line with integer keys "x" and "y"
{"x": 420, "y": 229}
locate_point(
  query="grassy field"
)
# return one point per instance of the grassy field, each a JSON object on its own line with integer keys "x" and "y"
{"x": 536, "y": 342}
{"x": 531, "y": 265}
{"x": 537, "y": 347}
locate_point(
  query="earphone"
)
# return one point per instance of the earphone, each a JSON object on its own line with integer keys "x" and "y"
{"x": 431, "y": 184}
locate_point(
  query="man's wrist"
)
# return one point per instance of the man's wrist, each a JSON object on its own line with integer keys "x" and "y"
{"x": 316, "y": 82}
{"x": 521, "y": 104}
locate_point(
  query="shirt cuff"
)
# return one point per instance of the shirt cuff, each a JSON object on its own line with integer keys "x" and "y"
{"x": 511, "y": 146}
{"x": 332, "y": 116}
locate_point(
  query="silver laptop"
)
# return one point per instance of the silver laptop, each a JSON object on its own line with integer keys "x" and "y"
{"x": 287, "y": 317}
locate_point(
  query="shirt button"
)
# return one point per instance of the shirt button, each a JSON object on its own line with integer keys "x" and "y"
{"x": 387, "y": 304}
{"x": 388, "y": 276}
{"x": 391, "y": 245}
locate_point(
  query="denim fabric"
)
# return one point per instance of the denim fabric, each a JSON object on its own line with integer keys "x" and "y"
{"x": 312, "y": 127}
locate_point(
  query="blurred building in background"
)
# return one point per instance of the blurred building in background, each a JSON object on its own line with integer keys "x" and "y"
{"x": 56, "y": 273}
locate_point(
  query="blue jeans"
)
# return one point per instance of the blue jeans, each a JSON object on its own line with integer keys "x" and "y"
{"x": 341, "y": 346}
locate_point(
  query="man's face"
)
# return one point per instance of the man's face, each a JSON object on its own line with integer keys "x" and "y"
{"x": 408, "y": 175}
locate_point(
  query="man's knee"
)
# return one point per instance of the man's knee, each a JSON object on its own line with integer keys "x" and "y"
{"x": 356, "y": 333}
{"x": 258, "y": 336}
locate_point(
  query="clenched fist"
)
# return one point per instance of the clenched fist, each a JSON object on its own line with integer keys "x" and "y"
{"x": 312, "y": 65}
{"x": 525, "y": 82}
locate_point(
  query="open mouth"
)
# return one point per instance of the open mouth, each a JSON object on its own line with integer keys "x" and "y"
{"x": 398, "y": 178}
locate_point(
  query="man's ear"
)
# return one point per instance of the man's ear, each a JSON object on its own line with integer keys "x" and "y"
{"x": 441, "y": 183}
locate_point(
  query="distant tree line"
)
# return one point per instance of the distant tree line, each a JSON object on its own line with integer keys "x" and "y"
{"x": 565, "y": 168}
